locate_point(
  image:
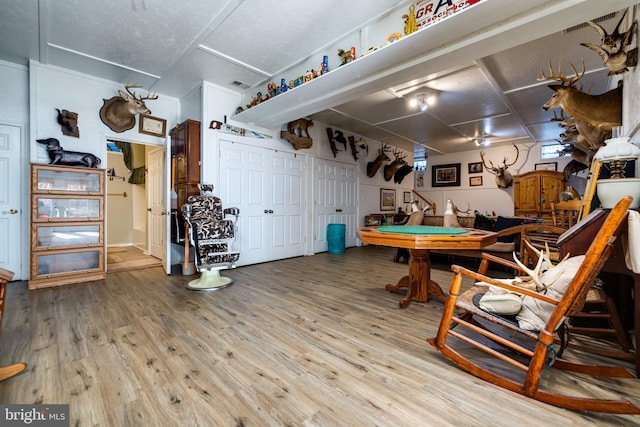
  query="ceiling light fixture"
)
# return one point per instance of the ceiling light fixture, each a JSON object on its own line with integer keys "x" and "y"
{"x": 481, "y": 141}
{"x": 422, "y": 100}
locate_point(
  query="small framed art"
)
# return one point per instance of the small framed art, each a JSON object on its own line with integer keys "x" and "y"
{"x": 550, "y": 166}
{"x": 475, "y": 181}
{"x": 387, "y": 199}
{"x": 150, "y": 125}
{"x": 475, "y": 167}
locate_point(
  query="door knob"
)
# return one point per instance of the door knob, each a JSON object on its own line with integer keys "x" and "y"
{"x": 164, "y": 212}
{"x": 270, "y": 211}
{"x": 338, "y": 210}
{"x": 11, "y": 211}
{"x": 266, "y": 211}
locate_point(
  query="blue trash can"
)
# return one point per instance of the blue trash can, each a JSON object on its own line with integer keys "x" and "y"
{"x": 335, "y": 238}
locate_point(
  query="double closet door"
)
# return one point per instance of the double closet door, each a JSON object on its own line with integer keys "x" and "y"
{"x": 269, "y": 188}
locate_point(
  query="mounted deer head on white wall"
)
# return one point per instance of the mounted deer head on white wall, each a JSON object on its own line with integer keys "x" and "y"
{"x": 119, "y": 112}
{"x": 504, "y": 179}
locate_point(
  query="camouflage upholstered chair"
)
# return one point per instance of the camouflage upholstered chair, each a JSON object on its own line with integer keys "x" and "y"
{"x": 212, "y": 236}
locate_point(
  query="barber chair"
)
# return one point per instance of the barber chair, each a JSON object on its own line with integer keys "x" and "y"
{"x": 212, "y": 236}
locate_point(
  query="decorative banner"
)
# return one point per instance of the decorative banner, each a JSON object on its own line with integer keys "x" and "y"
{"x": 430, "y": 11}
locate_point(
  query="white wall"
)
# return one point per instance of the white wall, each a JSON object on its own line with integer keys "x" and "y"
{"x": 14, "y": 87}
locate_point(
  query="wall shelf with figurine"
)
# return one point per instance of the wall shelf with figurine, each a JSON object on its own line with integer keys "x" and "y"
{"x": 457, "y": 40}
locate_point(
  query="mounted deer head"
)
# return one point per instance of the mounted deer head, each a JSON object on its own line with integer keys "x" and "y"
{"x": 119, "y": 112}
{"x": 602, "y": 111}
{"x": 504, "y": 179}
{"x": 372, "y": 167}
{"x": 392, "y": 168}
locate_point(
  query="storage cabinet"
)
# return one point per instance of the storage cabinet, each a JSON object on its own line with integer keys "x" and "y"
{"x": 185, "y": 148}
{"x": 67, "y": 225}
{"x": 534, "y": 191}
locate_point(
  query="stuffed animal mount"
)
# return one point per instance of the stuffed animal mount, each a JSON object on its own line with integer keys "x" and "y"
{"x": 119, "y": 112}
{"x": 297, "y": 133}
{"x": 59, "y": 156}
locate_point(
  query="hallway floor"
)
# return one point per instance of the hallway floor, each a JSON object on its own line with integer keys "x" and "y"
{"x": 120, "y": 258}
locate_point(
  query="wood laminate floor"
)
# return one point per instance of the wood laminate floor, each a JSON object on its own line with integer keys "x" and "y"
{"x": 310, "y": 341}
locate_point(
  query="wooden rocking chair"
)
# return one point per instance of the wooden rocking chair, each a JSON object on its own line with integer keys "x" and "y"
{"x": 543, "y": 354}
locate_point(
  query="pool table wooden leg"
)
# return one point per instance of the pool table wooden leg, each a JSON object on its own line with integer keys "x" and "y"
{"x": 419, "y": 283}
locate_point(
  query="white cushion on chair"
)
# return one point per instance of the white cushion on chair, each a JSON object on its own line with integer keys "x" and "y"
{"x": 535, "y": 313}
{"x": 500, "y": 301}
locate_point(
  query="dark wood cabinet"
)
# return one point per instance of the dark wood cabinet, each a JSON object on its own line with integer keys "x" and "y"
{"x": 185, "y": 149}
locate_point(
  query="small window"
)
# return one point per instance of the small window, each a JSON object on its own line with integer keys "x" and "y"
{"x": 420, "y": 164}
{"x": 550, "y": 150}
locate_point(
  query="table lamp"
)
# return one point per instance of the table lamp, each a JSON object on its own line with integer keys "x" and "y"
{"x": 615, "y": 155}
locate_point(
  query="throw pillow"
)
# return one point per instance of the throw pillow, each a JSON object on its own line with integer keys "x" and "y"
{"x": 535, "y": 313}
{"x": 481, "y": 222}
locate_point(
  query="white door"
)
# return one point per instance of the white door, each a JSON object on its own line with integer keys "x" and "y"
{"x": 335, "y": 191}
{"x": 157, "y": 204}
{"x": 10, "y": 212}
{"x": 269, "y": 189}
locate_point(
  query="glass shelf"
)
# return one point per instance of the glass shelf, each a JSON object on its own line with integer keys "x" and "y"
{"x": 66, "y": 209}
{"x": 64, "y": 236}
{"x": 50, "y": 180}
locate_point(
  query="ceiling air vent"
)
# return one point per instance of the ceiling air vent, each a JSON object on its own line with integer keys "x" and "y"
{"x": 240, "y": 84}
{"x": 597, "y": 20}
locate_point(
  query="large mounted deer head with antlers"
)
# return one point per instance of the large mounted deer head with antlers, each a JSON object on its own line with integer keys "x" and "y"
{"x": 602, "y": 111}
{"x": 504, "y": 179}
{"x": 373, "y": 166}
{"x": 119, "y": 112}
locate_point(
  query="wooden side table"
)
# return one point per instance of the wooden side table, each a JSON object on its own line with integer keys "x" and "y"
{"x": 16, "y": 368}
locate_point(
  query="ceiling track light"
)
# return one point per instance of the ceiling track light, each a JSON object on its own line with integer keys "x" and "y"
{"x": 422, "y": 100}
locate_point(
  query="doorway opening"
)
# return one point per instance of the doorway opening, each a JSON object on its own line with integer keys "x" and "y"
{"x": 127, "y": 207}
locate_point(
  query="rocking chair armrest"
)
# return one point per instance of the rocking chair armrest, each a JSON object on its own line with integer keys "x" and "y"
{"x": 511, "y": 288}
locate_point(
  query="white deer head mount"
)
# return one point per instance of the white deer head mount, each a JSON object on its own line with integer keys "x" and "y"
{"x": 119, "y": 112}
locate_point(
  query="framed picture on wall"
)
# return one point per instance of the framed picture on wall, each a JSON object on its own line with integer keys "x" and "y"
{"x": 387, "y": 199}
{"x": 445, "y": 175}
{"x": 407, "y": 197}
{"x": 550, "y": 166}
{"x": 475, "y": 181}
{"x": 475, "y": 167}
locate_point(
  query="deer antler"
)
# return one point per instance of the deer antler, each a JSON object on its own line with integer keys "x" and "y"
{"x": 491, "y": 168}
{"x": 514, "y": 162}
{"x": 561, "y": 77}
{"x": 139, "y": 98}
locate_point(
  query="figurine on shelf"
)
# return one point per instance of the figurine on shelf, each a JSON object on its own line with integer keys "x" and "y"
{"x": 345, "y": 56}
{"x": 410, "y": 24}
{"x": 325, "y": 65}
{"x": 308, "y": 76}
{"x": 272, "y": 89}
{"x": 393, "y": 37}
{"x": 283, "y": 86}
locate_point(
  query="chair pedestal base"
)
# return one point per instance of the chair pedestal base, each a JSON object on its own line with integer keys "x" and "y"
{"x": 210, "y": 280}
